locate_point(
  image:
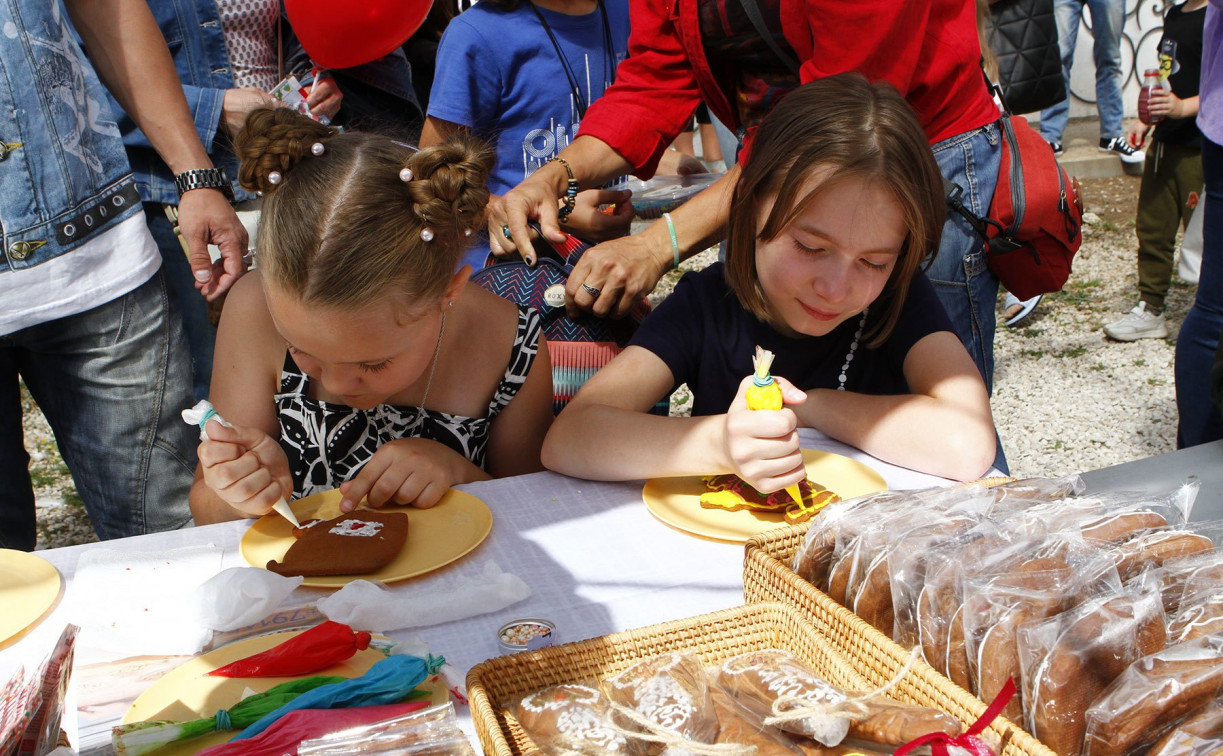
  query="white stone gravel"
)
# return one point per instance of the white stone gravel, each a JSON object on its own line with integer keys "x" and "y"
{"x": 1066, "y": 399}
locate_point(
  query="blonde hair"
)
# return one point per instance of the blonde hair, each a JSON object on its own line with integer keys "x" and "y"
{"x": 856, "y": 129}
{"x": 342, "y": 228}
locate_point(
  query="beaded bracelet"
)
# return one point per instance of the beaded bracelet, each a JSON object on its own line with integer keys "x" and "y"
{"x": 571, "y": 191}
{"x": 674, "y": 239}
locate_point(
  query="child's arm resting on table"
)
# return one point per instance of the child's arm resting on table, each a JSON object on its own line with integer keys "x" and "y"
{"x": 944, "y": 427}
{"x": 606, "y": 432}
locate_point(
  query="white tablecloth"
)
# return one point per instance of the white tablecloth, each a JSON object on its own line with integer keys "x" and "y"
{"x": 596, "y": 560}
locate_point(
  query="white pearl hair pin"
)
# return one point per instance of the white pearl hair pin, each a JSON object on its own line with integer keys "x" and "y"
{"x": 426, "y": 234}
{"x": 405, "y": 175}
{"x": 317, "y": 149}
{"x": 274, "y": 178}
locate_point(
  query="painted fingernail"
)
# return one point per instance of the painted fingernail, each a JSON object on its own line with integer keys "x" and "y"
{"x": 203, "y": 275}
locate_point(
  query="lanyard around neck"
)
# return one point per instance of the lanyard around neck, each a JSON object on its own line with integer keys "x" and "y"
{"x": 609, "y": 71}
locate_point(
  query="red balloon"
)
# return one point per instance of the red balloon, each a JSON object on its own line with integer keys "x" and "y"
{"x": 348, "y": 33}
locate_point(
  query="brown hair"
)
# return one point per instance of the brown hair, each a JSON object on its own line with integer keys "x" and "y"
{"x": 860, "y": 130}
{"x": 342, "y": 228}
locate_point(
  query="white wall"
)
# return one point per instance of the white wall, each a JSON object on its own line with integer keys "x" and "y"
{"x": 1139, "y": 50}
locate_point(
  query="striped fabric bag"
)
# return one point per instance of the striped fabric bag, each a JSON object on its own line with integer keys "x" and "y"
{"x": 578, "y": 346}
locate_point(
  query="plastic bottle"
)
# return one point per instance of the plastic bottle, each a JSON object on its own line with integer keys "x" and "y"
{"x": 1150, "y": 82}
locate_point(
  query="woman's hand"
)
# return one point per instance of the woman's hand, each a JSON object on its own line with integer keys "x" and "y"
{"x": 245, "y": 467}
{"x": 588, "y": 222}
{"x": 761, "y": 446}
{"x": 533, "y": 199}
{"x": 237, "y": 103}
{"x": 325, "y": 96}
{"x": 414, "y": 471}
{"x": 621, "y": 270}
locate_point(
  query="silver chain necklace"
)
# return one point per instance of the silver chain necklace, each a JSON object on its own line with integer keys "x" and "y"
{"x": 849, "y": 356}
{"x": 432, "y": 369}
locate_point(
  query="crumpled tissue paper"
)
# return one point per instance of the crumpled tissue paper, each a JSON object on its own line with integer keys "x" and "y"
{"x": 370, "y": 606}
{"x": 241, "y": 596}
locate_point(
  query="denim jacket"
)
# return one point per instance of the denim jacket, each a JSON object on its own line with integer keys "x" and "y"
{"x": 192, "y": 29}
{"x": 63, "y": 172}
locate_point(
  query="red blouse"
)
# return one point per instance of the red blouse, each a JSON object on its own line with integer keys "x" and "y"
{"x": 928, "y": 50}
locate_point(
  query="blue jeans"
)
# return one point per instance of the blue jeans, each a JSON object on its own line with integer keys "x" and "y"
{"x": 201, "y": 333}
{"x": 1199, "y": 337}
{"x": 965, "y": 286}
{"x": 961, "y": 278}
{"x": 111, "y": 382}
{"x": 1107, "y": 20}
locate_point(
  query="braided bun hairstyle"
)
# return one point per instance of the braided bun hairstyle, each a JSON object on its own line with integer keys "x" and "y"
{"x": 341, "y": 228}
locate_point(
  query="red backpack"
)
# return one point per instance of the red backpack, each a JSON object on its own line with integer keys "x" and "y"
{"x": 1033, "y": 229}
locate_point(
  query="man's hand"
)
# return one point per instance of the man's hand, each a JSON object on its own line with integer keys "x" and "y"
{"x": 206, "y": 217}
{"x": 325, "y": 96}
{"x": 238, "y": 103}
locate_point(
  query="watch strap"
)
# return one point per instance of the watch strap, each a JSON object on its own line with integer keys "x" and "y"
{"x": 204, "y": 178}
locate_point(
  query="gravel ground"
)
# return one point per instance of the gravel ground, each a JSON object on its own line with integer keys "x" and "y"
{"x": 1066, "y": 399}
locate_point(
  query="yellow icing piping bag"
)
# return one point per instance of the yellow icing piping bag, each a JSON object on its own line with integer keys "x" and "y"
{"x": 765, "y": 394}
{"x": 200, "y": 414}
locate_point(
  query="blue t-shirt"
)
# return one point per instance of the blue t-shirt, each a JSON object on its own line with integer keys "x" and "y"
{"x": 498, "y": 74}
{"x": 707, "y": 340}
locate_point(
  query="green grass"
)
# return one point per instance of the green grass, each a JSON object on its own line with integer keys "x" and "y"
{"x": 1075, "y": 352}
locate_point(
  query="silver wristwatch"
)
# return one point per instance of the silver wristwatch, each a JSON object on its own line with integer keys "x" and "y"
{"x": 204, "y": 178}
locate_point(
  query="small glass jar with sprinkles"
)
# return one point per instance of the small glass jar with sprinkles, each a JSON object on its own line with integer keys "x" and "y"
{"x": 525, "y": 634}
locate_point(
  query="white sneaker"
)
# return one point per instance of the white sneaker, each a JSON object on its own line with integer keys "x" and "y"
{"x": 1121, "y": 148}
{"x": 1138, "y": 324}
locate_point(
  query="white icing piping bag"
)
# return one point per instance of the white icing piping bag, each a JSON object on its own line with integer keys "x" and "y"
{"x": 200, "y": 414}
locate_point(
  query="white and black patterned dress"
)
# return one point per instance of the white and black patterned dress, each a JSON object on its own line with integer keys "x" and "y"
{"x": 327, "y": 443}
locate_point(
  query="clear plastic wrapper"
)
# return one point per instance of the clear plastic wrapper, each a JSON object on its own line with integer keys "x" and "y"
{"x": 1198, "y": 613}
{"x": 1068, "y": 660}
{"x": 1110, "y": 517}
{"x": 737, "y": 725}
{"x": 956, "y": 513}
{"x": 814, "y": 558}
{"x": 756, "y": 680}
{"x": 664, "y": 193}
{"x": 1029, "y": 581}
{"x": 1019, "y": 494}
{"x": 430, "y": 732}
{"x": 1199, "y": 735}
{"x": 1155, "y": 547}
{"x": 1188, "y": 575}
{"x": 574, "y": 719}
{"x": 669, "y": 690}
{"x": 1153, "y": 695}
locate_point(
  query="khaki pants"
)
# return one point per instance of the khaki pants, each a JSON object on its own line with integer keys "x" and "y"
{"x": 1171, "y": 187}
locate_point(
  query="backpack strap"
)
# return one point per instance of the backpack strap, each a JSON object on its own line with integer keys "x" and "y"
{"x": 753, "y": 14}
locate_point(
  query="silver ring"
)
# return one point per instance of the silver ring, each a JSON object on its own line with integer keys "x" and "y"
{"x": 505, "y": 230}
{"x": 592, "y": 291}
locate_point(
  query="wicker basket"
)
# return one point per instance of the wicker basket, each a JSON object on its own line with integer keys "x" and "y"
{"x": 767, "y": 577}
{"x": 830, "y": 648}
